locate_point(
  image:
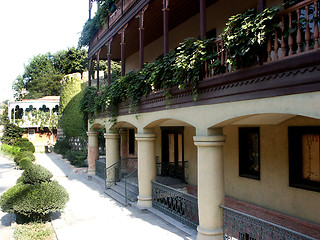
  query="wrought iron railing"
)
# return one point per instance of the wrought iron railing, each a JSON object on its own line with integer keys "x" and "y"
{"x": 179, "y": 205}
{"x": 238, "y": 225}
{"x": 113, "y": 173}
{"x": 173, "y": 169}
{"x": 134, "y": 189}
{"x": 101, "y": 169}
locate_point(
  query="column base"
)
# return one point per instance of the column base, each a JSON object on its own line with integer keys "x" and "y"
{"x": 91, "y": 172}
{"x": 144, "y": 202}
{"x": 109, "y": 183}
{"x": 204, "y": 234}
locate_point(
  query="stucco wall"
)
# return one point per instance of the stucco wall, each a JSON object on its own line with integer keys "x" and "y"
{"x": 217, "y": 16}
{"x": 272, "y": 191}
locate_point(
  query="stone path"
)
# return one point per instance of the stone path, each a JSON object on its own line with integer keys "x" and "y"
{"x": 90, "y": 214}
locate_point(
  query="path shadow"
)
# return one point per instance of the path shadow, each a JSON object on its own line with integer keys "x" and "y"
{"x": 7, "y": 219}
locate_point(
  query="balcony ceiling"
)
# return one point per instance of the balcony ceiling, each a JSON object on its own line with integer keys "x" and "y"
{"x": 180, "y": 11}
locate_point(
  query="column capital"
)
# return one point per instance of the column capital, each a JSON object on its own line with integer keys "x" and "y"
{"x": 209, "y": 141}
{"x": 111, "y": 135}
{"x": 92, "y": 133}
{"x": 146, "y": 137}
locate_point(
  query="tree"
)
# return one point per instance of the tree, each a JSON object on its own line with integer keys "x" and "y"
{"x": 44, "y": 72}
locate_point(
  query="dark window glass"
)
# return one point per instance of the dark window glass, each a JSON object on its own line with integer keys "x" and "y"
{"x": 249, "y": 152}
{"x": 131, "y": 141}
{"x": 304, "y": 157}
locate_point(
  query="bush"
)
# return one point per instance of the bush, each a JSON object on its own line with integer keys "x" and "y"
{"x": 25, "y": 163}
{"x": 62, "y": 146}
{"x": 36, "y": 174}
{"x": 25, "y": 145}
{"x": 76, "y": 158}
{"x": 24, "y": 154}
{"x": 13, "y": 150}
{"x": 34, "y": 201}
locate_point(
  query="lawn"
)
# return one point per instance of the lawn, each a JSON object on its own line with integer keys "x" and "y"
{"x": 34, "y": 231}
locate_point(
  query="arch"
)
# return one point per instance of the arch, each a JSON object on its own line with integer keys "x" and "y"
{"x": 96, "y": 127}
{"x": 123, "y": 124}
{"x": 166, "y": 122}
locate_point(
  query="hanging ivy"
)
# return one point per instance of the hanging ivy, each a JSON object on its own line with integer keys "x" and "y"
{"x": 91, "y": 27}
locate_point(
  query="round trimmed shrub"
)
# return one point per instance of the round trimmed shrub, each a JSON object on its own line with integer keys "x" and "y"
{"x": 25, "y": 163}
{"x": 25, "y": 145}
{"x": 36, "y": 174}
{"x": 24, "y": 154}
{"x": 34, "y": 201}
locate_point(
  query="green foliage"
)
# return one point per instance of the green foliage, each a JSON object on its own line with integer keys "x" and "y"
{"x": 12, "y": 133}
{"x": 25, "y": 163}
{"x": 72, "y": 121}
{"x": 34, "y": 201}
{"x": 24, "y": 154}
{"x": 91, "y": 27}
{"x": 13, "y": 150}
{"x": 44, "y": 72}
{"x": 42, "y": 119}
{"x": 76, "y": 158}
{"x": 62, "y": 146}
{"x": 246, "y": 32}
{"x": 36, "y": 174}
{"x": 180, "y": 68}
{"x": 25, "y": 145}
{"x": 34, "y": 230}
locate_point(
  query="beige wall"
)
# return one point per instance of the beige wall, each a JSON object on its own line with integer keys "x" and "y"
{"x": 217, "y": 16}
{"x": 272, "y": 191}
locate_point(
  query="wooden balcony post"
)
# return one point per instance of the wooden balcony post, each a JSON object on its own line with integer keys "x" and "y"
{"x": 90, "y": 7}
{"x": 123, "y": 48}
{"x": 203, "y": 22}
{"x": 109, "y": 60}
{"x": 89, "y": 72}
{"x": 165, "y": 11}
{"x": 141, "y": 36}
{"x": 261, "y": 5}
{"x": 98, "y": 69}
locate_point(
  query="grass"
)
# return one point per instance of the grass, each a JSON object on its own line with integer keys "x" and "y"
{"x": 34, "y": 231}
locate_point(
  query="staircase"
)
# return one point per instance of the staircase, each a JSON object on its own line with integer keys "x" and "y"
{"x": 118, "y": 191}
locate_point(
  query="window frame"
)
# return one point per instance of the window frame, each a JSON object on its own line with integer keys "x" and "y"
{"x": 295, "y": 157}
{"x": 243, "y": 152}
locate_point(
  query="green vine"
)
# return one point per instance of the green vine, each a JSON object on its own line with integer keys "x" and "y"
{"x": 179, "y": 68}
{"x": 91, "y": 27}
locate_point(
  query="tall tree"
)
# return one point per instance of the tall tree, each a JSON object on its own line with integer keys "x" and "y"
{"x": 44, "y": 72}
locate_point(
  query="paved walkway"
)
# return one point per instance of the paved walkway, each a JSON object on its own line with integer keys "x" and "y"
{"x": 90, "y": 214}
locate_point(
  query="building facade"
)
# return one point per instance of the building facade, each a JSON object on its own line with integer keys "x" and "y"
{"x": 248, "y": 147}
{"x": 36, "y": 116}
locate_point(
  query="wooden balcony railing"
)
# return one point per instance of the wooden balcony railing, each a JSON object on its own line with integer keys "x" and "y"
{"x": 296, "y": 31}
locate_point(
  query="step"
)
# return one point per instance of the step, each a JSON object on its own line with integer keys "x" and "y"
{"x": 130, "y": 187}
{"x": 116, "y": 196}
{"x": 131, "y": 195}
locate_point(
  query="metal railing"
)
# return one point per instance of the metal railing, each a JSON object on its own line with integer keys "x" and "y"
{"x": 238, "y": 225}
{"x": 134, "y": 188}
{"x": 101, "y": 169}
{"x": 113, "y": 173}
{"x": 179, "y": 205}
{"x": 173, "y": 169}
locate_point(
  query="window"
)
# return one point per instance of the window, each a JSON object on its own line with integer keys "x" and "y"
{"x": 31, "y": 134}
{"x": 249, "y": 152}
{"x": 131, "y": 142}
{"x": 304, "y": 157}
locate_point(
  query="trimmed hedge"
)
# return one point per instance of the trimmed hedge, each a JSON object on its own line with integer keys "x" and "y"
{"x": 25, "y": 145}
{"x": 36, "y": 174}
{"x": 35, "y": 195}
{"x": 34, "y": 201}
{"x": 25, "y": 163}
{"x": 13, "y": 150}
{"x": 24, "y": 154}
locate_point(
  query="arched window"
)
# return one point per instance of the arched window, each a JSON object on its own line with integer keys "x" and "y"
{"x": 44, "y": 108}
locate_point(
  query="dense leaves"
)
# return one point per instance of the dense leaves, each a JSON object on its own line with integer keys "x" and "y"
{"x": 44, "y": 72}
{"x": 179, "y": 68}
{"x": 12, "y": 133}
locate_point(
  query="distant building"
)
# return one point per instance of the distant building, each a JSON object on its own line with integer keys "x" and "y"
{"x": 35, "y": 116}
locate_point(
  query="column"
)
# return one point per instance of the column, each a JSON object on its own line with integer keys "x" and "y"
{"x": 146, "y": 168}
{"x": 210, "y": 186}
{"x": 123, "y": 143}
{"x": 109, "y": 60}
{"x": 89, "y": 72}
{"x": 112, "y": 157}
{"x": 93, "y": 152}
{"x": 141, "y": 36}
{"x": 123, "y": 48}
{"x": 98, "y": 69}
{"x": 203, "y": 22}
{"x": 261, "y": 5}
{"x": 165, "y": 11}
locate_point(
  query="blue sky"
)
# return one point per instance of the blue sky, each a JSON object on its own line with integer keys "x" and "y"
{"x": 33, "y": 27}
